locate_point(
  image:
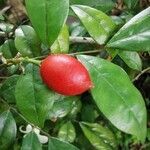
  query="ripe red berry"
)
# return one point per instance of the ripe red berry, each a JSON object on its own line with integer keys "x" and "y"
{"x": 65, "y": 75}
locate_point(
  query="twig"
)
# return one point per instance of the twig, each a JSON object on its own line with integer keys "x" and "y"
{"x": 15, "y": 110}
{"x": 5, "y": 9}
{"x": 85, "y": 52}
{"x": 139, "y": 75}
{"x": 86, "y": 40}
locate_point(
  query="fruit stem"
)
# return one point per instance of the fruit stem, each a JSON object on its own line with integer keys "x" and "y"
{"x": 22, "y": 59}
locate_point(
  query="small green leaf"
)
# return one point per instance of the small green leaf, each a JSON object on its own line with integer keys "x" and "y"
{"x": 100, "y": 137}
{"x": 88, "y": 113}
{"x": 56, "y": 144}
{"x": 48, "y": 17}
{"x": 98, "y": 24}
{"x": 134, "y": 35}
{"x": 6, "y": 27}
{"x": 116, "y": 97}
{"x": 7, "y": 90}
{"x": 131, "y": 3}
{"x": 132, "y": 59}
{"x": 26, "y": 41}
{"x": 31, "y": 142}
{"x": 8, "y": 49}
{"x": 61, "y": 45}
{"x": 1, "y": 17}
{"x": 62, "y": 106}
{"x": 33, "y": 97}
{"x": 7, "y": 130}
{"x": 67, "y": 132}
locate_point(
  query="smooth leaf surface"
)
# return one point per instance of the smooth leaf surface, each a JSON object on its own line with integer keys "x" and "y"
{"x": 134, "y": 35}
{"x": 7, "y": 90}
{"x": 61, "y": 45}
{"x": 48, "y": 17}
{"x": 62, "y": 106}
{"x": 33, "y": 97}
{"x": 116, "y": 97}
{"x": 31, "y": 142}
{"x": 6, "y": 27}
{"x": 26, "y": 41}
{"x": 100, "y": 137}
{"x": 56, "y": 144}
{"x": 103, "y": 5}
{"x": 98, "y": 24}
{"x": 7, "y": 130}
{"x": 132, "y": 59}
{"x": 67, "y": 132}
{"x": 8, "y": 49}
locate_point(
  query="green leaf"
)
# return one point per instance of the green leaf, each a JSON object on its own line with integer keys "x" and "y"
{"x": 88, "y": 113}
{"x": 98, "y": 24}
{"x": 1, "y": 17}
{"x": 67, "y": 132}
{"x": 131, "y": 3}
{"x": 7, "y": 130}
{"x": 47, "y": 17}
{"x": 116, "y": 97}
{"x": 26, "y": 41}
{"x": 31, "y": 142}
{"x": 134, "y": 35}
{"x": 61, "y": 45}
{"x": 6, "y": 27}
{"x": 100, "y": 137}
{"x": 56, "y": 144}
{"x": 62, "y": 106}
{"x": 132, "y": 59}
{"x": 7, "y": 90}
{"x": 103, "y": 5}
{"x": 33, "y": 98}
{"x": 8, "y": 49}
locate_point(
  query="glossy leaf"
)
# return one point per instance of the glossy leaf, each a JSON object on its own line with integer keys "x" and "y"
{"x": 61, "y": 45}
{"x": 32, "y": 97}
{"x": 116, "y": 97}
{"x": 7, "y": 130}
{"x": 103, "y": 5}
{"x": 67, "y": 132}
{"x": 56, "y": 144}
{"x": 48, "y": 17}
{"x": 62, "y": 106}
{"x": 134, "y": 35}
{"x": 8, "y": 49}
{"x": 98, "y": 24}
{"x": 132, "y": 59}
{"x": 6, "y": 27}
{"x": 7, "y": 90}
{"x": 26, "y": 41}
{"x": 31, "y": 141}
{"x": 100, "y": 137}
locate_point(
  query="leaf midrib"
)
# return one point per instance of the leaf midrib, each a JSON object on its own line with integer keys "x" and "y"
{"x": 94, "y": 19}
{"x": 116, "y": 93}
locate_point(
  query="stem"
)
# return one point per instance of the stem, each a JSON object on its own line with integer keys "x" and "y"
{"x": 86, "y": 40}
{"x": 85, "y": 52}
{"x": 15, "y": 110}
{"x": 139, "y": 75}
{"x": 22, "y": 59}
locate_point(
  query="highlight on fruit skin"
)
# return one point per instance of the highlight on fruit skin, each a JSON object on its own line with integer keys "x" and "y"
{"x": 65, "y": 75}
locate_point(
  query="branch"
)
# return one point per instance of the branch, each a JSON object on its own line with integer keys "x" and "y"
{"x": 23, "y": 118}
{"x": 86, "y": 40}
{"x": 139, "y": 75}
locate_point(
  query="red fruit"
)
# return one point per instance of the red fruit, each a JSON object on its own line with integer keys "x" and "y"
{"x": 65, "y": 75}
